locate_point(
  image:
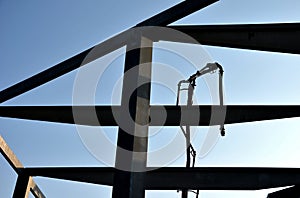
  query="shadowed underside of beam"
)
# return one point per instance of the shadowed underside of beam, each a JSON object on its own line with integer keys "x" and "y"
{"x": 202, "y": 115}
{"x": 174, "y": 178}
{"x": 282, "y": 37}
{"x": 292, "y": 192}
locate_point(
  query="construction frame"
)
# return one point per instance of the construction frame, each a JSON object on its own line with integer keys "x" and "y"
{"x": 283, "y": 38}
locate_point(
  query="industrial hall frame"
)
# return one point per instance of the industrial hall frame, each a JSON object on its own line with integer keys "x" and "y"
{"x": 284, "y": 38}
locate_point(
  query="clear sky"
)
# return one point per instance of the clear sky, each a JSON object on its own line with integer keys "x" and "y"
{"x": 35, "y": 35}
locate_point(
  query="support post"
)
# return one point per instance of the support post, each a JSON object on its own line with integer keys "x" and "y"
{"x": 131, "y": 156}
{"x": 22, "y": 186}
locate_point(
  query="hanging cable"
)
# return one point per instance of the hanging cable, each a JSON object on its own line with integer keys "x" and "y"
{"x": 221, "y": 72}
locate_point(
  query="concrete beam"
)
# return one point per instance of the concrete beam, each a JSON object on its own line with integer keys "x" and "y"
{"x": 174, "y": 178}
{"x": 22, "y": 186}
{"x": 291, "y": 192}
{"x": 166, "y": 17}
{"x": 280, "y": 37}
{"x": 17, "y": 165}
{"x": 131, "y": 152}
{"x": 160, "y": 115}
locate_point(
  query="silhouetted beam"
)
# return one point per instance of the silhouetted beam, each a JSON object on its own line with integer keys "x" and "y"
{"x": 64, "y": 67}
{"x": 9, "y": 155}
{"x": 222, "y": 178}
{"x": 292, "y": 192}
{"x": 283, "y": 37}
{"x": 166, "y": 17}
{"x": 95, "y": 175}
{"x": 160, "y": 115}
{"x": 176, "y": 12}
{"x": 173, "y": 178}
{"x": 14, "y": 162}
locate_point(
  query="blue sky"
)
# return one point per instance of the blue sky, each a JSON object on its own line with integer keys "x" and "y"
{"x": 35, "y": 35}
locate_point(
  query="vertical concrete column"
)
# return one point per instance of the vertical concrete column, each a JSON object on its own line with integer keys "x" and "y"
{"x": 22, "y": 188}
{"x": 131, "y": 156}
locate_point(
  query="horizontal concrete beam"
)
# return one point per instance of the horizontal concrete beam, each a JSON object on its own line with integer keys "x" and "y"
{"x": 174, "y": 178}
{"x": 202, "y": 115}
{"x": 280, "y": 37}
